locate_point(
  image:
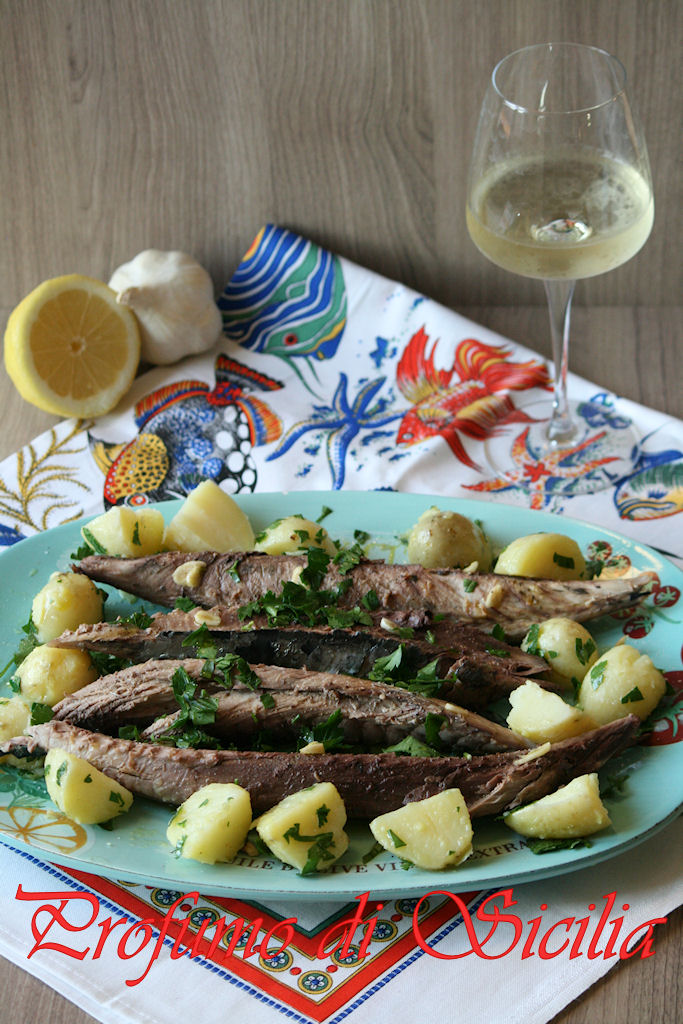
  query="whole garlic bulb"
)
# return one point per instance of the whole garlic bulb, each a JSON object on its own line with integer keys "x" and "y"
{"x": 172, "y": 297}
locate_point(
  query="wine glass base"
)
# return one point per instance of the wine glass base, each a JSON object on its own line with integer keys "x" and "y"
{"x": 604, "y": 449}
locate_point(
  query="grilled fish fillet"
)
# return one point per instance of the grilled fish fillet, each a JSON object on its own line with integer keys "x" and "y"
{"x": 372, "y": 714}
{"x": 477, "y": 669}
{"x": 233, "y": 580}
{"x": 369, "y": 784}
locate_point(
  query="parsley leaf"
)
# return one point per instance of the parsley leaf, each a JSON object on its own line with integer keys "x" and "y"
{"x": 597, "y": 674}
{"x": 469, "y": 584}
{"x": 396, "y": 840}
{"x": 564, "y": 561}
{"x": 330, "y": 733}
{"x": 632, "y": 696}
{"x": 184, "y": 604}
{"x": 319, "y": 851}
{"x": 40, "y": 713}
{"x": 324, "y": 513}
{"x": 584, "y": 649}
{"x": 551, "y": 845}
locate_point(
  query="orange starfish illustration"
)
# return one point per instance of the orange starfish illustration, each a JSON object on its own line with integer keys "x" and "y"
{"x": 471, "y": 398}
{"x": 539, "y": 473}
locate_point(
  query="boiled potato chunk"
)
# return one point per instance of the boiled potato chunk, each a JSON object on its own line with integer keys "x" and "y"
{"x": 67, "y": 600}
{"x": 83, "y": 793}
{"x": 209, "y": 520}
{"x": 566, "y": 645}
{"x": 433, "y": 834}
{"x": 444, "y": 540}
{"x": 126, "y": 531}
{"x": 572, "y": 811}
{"x": 621, "y": 682}
{"x": 546, "y": 555}
{"x": 212, "y": 824}
{"x": 542, "y": 716}
{"x": 15, "y": 717}
{"x": 306, "y": 829}
{"x": 291, "y": 534}
{"x": 47, "y": 674}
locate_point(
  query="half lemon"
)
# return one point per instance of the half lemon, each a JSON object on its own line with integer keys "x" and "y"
{"x": 70, "y": 348}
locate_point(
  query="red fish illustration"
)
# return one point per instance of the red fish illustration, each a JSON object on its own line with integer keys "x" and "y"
{"x": 470, "y": 398}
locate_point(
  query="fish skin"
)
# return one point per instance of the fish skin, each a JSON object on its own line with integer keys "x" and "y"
{"x": 369, "y": 784}
{"x": 473, "y": 676}
{"x": 234, "y": 579}
{"x": 372, "y": 713}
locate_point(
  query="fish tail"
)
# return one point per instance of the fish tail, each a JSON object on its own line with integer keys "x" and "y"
{"x": 264, "y": 425}
{"x": 490, "y": 364}
{"x": 416, "y": 375}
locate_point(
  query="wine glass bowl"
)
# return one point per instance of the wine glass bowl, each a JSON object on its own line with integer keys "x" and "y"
{"x": 560, "y": 189}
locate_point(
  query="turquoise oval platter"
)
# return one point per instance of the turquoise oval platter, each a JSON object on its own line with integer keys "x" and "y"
{"x": 649, "y": 792}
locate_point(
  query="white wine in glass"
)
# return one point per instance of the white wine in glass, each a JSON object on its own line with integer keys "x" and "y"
{"x": 560, "y": 189}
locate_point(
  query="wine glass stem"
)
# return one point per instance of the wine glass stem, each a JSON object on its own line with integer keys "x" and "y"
{"x": 561, "y": 427}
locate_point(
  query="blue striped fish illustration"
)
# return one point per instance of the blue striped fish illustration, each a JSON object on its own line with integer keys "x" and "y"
{"x": 287, "y": 298}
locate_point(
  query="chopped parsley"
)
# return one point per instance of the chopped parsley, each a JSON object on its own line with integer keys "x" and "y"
{"x": 324, "y": 513}
{"x": 498, "y": 633}
{"x": 319, "y": 850}
{"x": 138, "y": 620}
{"x": 116, "y": 798}
{"x": 330, "y": 733}
{"x": 268, "y": 700}
{"x": 129, "y": 732}
{"x": 469, "y": 584}
{"x": 432, "y": 728}
{"x": 88, "y": 778}
{"x": 551, "y": 845}
{"x": 135, "y": 539}
{"x": 396, "y": 840}
{"x": 63, "y": 768}
{"x": 412, "y": 747}
{"x": 92, "y": 541}
{"x": 184, "y": 604}
{"x": 373, "y": 852}
{"x": 632, "y": 696}
{"x": 564, "y": 561}
{"x": 323, "y": 813}
{"x": 40, "y": 713}
{"x": 26, "y": 645}
{"x": 597, "y": 674}
{"x": 584, "y": 649}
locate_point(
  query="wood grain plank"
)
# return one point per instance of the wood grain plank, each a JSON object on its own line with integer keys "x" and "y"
{"x": 185, "y": 125}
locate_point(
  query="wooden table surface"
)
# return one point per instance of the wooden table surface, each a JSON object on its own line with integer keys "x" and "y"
{"x": 186, "y": 124}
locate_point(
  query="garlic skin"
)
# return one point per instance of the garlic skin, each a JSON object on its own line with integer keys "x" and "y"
{"x": 171, "y": 295}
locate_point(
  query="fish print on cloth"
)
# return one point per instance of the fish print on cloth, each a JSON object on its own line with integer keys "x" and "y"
{"x": 287, "y": 298}
{"x": 189, "y": 432}
{"x": 470, "y": 398}
{"x": 654, "y": 489}
{"x": 341, "y": 421}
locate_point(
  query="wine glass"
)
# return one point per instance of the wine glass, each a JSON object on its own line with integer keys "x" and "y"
{"x": 560, "y": 189}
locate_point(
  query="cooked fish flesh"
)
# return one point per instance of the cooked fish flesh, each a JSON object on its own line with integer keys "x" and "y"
{"x": 371, "y": 713}
{"x": 369, "y": 784}
{"x": 476, "y": 669}
{"x": 484, "y": 599}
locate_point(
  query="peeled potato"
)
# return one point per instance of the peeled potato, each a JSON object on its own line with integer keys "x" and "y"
{"x": 291, "y": 534}
{"x": 126, "y": 531}
{"x": 83, "y": 793}
{"x": 621, "y": 682}
{"x": 567, "y": 646}
{"x": 15, "y": 717}
{"x": 306, "y": 829}
{"x": 444, "y": 540}
{"x": 47, "y": 674}
{"x": 67, "y": 600}
{"x": 570, "y": 812}
{"x": 209, "y": 520}
{"x": 212, "y": 824}
{"x": 434, "y": 833}
{"x": 542, "y": 716}
{"x": 550, "y": 556}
